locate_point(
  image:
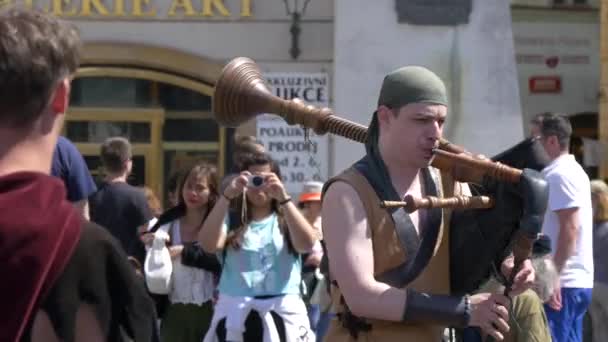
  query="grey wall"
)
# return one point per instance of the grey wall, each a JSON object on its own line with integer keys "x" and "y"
{"x": 475, "y": 60}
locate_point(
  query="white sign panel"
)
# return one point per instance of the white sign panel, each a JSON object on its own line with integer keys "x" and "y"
{"x": 558, "y": 66}
{"x": 301, "y": 158}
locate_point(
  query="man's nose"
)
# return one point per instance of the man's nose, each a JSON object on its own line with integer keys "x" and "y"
{"x": 435, "y": 131}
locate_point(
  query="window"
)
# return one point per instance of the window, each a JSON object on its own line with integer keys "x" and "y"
{"x": 111, "y": 92}
{"x": 572, "y": 2}
{"x": 190, "y": 130}
{"x": 174, "y": 98}
{"x": 99, "y": 131}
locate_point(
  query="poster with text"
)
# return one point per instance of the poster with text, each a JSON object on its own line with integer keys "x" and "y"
{"x": 300, "y": 159}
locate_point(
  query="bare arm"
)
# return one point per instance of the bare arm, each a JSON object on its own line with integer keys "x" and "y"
{"x": 314, "y": 260}
{"x": 315, "y": 256}
{"x": 211, "y": 236}
{"x": 568, "y": 234}
{"x": 351, "y": 258}
{"x": 83, "y": 208}
{"x": 302, "y": 234}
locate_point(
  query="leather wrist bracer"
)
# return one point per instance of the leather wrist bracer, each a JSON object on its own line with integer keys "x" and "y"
{"x": 440, "y": 309}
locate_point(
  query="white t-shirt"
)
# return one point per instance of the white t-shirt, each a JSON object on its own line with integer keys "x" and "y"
{"x": 569, "y": 187}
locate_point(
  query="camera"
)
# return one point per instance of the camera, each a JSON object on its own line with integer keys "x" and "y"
{"x": 255, "y": 181}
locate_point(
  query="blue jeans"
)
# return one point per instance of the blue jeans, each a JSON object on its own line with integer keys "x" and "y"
{"x": 323, "y": 325}
{"x": 314, "y": 312}
{"x": 471, "y": 334}
{"x": 567, "y": 324}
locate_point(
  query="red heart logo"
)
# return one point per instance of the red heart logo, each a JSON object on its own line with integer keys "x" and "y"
{"x": 552, "y": 61}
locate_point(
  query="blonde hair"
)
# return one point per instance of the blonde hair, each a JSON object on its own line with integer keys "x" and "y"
{"x": 599, "y": 197}
{"x": 153, "y": 201}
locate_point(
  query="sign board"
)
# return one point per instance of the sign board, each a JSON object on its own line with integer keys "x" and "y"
{"x": 545, "y": 84}
{"x": 434, "y": 12}
{"x": 138, "y": 9}
{"x": 558, "y": 65}
{"x": 300, "y": 159}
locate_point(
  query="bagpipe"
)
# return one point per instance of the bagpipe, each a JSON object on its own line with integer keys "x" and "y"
{"x": 503, "y": 215}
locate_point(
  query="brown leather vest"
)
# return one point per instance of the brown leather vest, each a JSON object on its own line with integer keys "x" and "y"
{"x": 388, "y": 254}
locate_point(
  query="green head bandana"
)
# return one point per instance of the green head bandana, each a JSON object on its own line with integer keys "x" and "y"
{"x": 412, "y": 84}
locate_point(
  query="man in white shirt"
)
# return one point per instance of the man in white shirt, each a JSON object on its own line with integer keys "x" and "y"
{"x": 568, "y": 222}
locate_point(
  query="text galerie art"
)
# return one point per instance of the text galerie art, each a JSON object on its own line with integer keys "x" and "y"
{"x": 138, "y": 9}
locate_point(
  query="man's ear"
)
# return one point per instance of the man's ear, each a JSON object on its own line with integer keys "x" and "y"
{"x": 384, "y": 114}
{"x": 61, "y": 97}
{"x": 553, "y": 140}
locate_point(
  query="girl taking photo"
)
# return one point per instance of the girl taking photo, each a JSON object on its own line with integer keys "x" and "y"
{"x": 260, "y": 246}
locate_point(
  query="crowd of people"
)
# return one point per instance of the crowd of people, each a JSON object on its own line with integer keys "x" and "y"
{"x": 244, "y": 258}
{"x": 224, "y": 265}
{"x": 238, "y": 259}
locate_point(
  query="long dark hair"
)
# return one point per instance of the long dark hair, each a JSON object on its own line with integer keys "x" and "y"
{"x": 256, "y": 159}
{"x": 200, "y": 169}
{"x": 235, "y": 235}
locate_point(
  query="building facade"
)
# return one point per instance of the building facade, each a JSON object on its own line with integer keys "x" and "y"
{"x": 557, "y": 50}
{"x": 149, "y": 69}
{"x": 150, "y": 66}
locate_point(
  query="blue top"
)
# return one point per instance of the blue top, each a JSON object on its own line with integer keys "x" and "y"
{"x": 263, "y": 266}
{"x": 69, "y": 165}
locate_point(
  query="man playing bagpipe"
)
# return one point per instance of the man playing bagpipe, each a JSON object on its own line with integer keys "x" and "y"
{"x": 390, "y": 268}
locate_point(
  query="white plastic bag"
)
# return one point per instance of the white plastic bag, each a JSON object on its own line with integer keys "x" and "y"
{"x": 320, "y": 296}
{"x": 158, "y": 265}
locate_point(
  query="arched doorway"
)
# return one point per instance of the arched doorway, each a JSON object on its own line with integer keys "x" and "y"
{"x": 584, "y": 126}
{"x": 160, "y": 99}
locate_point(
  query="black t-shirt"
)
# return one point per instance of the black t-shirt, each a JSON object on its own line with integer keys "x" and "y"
{"x": 98, "y": 274}
{"x": 121, "y": 209}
